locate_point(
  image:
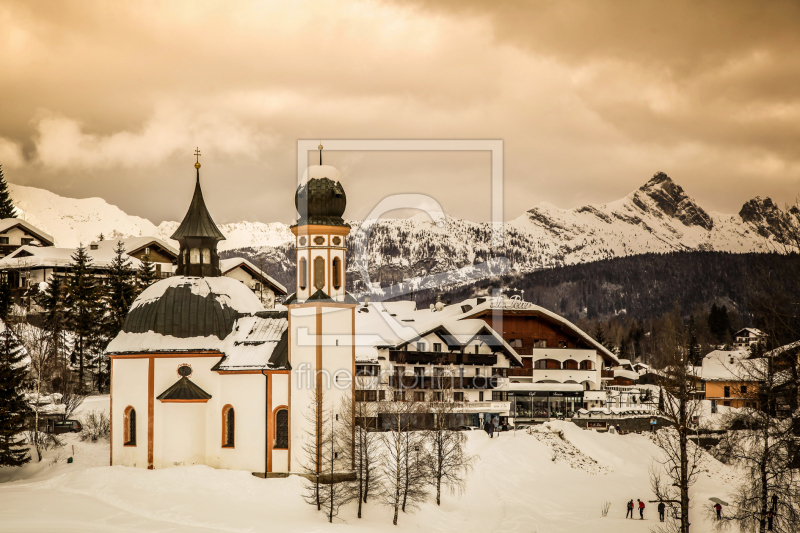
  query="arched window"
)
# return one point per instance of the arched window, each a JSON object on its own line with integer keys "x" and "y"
{"x": 547, "y": 364}
{"x": 570, "y": 364}
{"x": 227, "y": 426}
{"x": 319, "y": 273}
{"x": 194, "y": 256}
{"x": 587, "y": 365}
{"x": 206, "y": 256}
{"x": 281, "y": 429}
{"x": 303, "y": 273}
{"x": 129, "y": 424}
{"x": 337, "y": 276}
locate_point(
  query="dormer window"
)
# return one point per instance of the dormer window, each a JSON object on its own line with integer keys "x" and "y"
{"x": 93, "y": 246}
{"x": 26, "y": 242}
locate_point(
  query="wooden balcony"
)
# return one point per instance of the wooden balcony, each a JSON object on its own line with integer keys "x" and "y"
{"x": 402, "y": 357}
{"x": 442, "y": 382}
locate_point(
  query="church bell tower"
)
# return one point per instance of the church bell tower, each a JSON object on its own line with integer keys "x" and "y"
{"x": 321, "y": 312}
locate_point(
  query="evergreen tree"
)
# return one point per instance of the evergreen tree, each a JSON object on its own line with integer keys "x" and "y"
{"x": 600, "y": 336}
{"x": 146, "y": 275}
{"x": 119, "y": 293}
{"x": 51, "y": 300}
{"x": 13, "y": 407}
{"x": 83, "y": 307}
{"x": 7, "y": 209}
{"x": 695, "y": 357}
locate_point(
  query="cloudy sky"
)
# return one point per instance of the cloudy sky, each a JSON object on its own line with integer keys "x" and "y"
{"x": 590, "y": 98}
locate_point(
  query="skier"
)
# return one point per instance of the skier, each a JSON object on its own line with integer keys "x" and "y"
{"x": 774, "y": 503}
{"x": 641, "y": 509}
{"x": 661, "y": 508}
{"x": 718, "y": 509}
{"x": 630, "y": 509}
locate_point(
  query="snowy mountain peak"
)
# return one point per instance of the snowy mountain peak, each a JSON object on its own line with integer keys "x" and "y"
{"x": 766, "y": 216}
{"x": 662, "y": 195}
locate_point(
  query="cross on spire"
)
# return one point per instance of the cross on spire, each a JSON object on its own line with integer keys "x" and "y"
{"x": 320, "y": 154}
{"x": 197, "y": 155}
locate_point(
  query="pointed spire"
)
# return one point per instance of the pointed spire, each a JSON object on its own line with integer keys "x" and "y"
{"x": 198, "y": 221}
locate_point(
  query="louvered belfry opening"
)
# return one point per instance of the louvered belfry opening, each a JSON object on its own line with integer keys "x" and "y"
{"x": 198, "y": 236}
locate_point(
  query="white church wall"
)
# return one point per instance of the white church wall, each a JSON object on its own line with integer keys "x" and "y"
{"x": 130, "y": 389}
{"x": 246, "y": 393}
{"x": 165, "y": 374}
{"x": 181, "y": 435}
{"x": 303, "y": 354}
{"x": 280, "y": 396}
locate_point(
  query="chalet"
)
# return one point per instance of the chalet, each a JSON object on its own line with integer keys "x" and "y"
{"x": 729, "y": 379}
{"x": 262, "y": 285}
{"x": 747, "y": 337}
{"x": 29, "y": 267}
{"x": 161, "y": 254}
{"x": 15, "y": 233}
{"x": 495, "y": 357}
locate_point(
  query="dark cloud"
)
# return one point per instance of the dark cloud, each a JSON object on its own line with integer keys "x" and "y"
{"x": 591, "y": 98}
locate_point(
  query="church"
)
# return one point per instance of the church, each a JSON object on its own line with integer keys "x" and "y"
{"x": 203, "y": 374}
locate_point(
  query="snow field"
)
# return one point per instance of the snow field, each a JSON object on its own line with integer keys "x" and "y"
{"x": 515, "y": 486}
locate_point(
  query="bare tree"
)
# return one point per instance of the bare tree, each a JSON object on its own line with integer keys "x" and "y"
{"x": 760, "y": 442}
{"x": 333, "y": 491}
{"x": 359, "y": 441}
{"x": 37, "y": 344}
{"x": 317, "y": 435}
{"x": 676, "y": 471}
{"x": 403, "y": 456}
{"x": 449, "y": 462}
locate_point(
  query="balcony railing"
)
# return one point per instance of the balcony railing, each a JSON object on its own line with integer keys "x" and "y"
{"x": 442, "y": 382}
{"x": 441, "y": 358}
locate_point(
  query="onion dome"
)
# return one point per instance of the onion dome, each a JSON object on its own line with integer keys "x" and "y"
{"x": 186, "y": 307}
{"x": 321, "y": 199}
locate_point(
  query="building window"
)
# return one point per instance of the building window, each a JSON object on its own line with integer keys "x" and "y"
{"x": 303, "y": 272}
{"x": 206, "y": 256}
{"x": 227, "y": 426}
{"x": 547, "y": 364}
{"x": 727, "y": 391}
{"x": 319, "y": 273}
{"x": 499, "y": 396}
{"x": 282, "y": 429}
{"x": 399, "y": 396}
{"x": 744, "y": 389}
{"x": 480, "y": 396}
{"x": 458, "y": 396}
{"x": 570, "y": 365}
{"x": 543, "y": 344}
{"x": 587, "y": 365}
{"x": 129, "y": 421}
{"x": 516, "y": 343}
{"x": 419, "y": 371}
{"x": 337, "y": 273}
{"x": 420, "y": 346}
{"x": 419, "y": 396}
{"x": 477, "y": 348}
{"x": 562, "y": 344}
{"x": 437, "y": 346}
{"x": 26, "y": 242}
{"x": 367, "y": 370}
{"x": 3, "y": 240}
{"x": 194, "y": 256}
{"x": 366, "y": 395}
{"x": 437, "y": 396}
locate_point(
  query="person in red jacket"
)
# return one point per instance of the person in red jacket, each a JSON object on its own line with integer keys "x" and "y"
{"x": 630, "y": 509}
{"x": 718, "y": 509}
{"x": 641, "y": 509}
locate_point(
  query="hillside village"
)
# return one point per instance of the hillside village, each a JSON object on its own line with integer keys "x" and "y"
{"x": 180, "y": 336}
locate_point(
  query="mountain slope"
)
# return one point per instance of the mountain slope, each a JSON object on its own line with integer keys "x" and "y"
{"x": 658, "y": 217}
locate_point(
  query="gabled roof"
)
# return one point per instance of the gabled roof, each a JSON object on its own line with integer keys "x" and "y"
{"x": 45, "y": 238}
{"x": 198, "y": 221}
{"x": 184, "y": 389}
{"x": 227, "y": 265}
{"x": 134, "y": 244}
{"x": 321, "y": 296}
{"x": 50, "y": 256}
{"x": 750, "y": 331}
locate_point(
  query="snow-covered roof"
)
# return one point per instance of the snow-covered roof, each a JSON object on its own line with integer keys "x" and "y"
{"x": 226, "y": 265}
{"x": 134, "y": 244}
{"x": 723, "y": 365}
{"x": 257, "y": 342}
{"x": 750, "y": 331}
{"x": 8, "y": 223}
{"x": 394, "y": 324}
{"x": 49, "y": 256}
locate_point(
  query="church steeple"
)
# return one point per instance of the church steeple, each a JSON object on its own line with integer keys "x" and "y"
{"x": 198, "y": 236}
